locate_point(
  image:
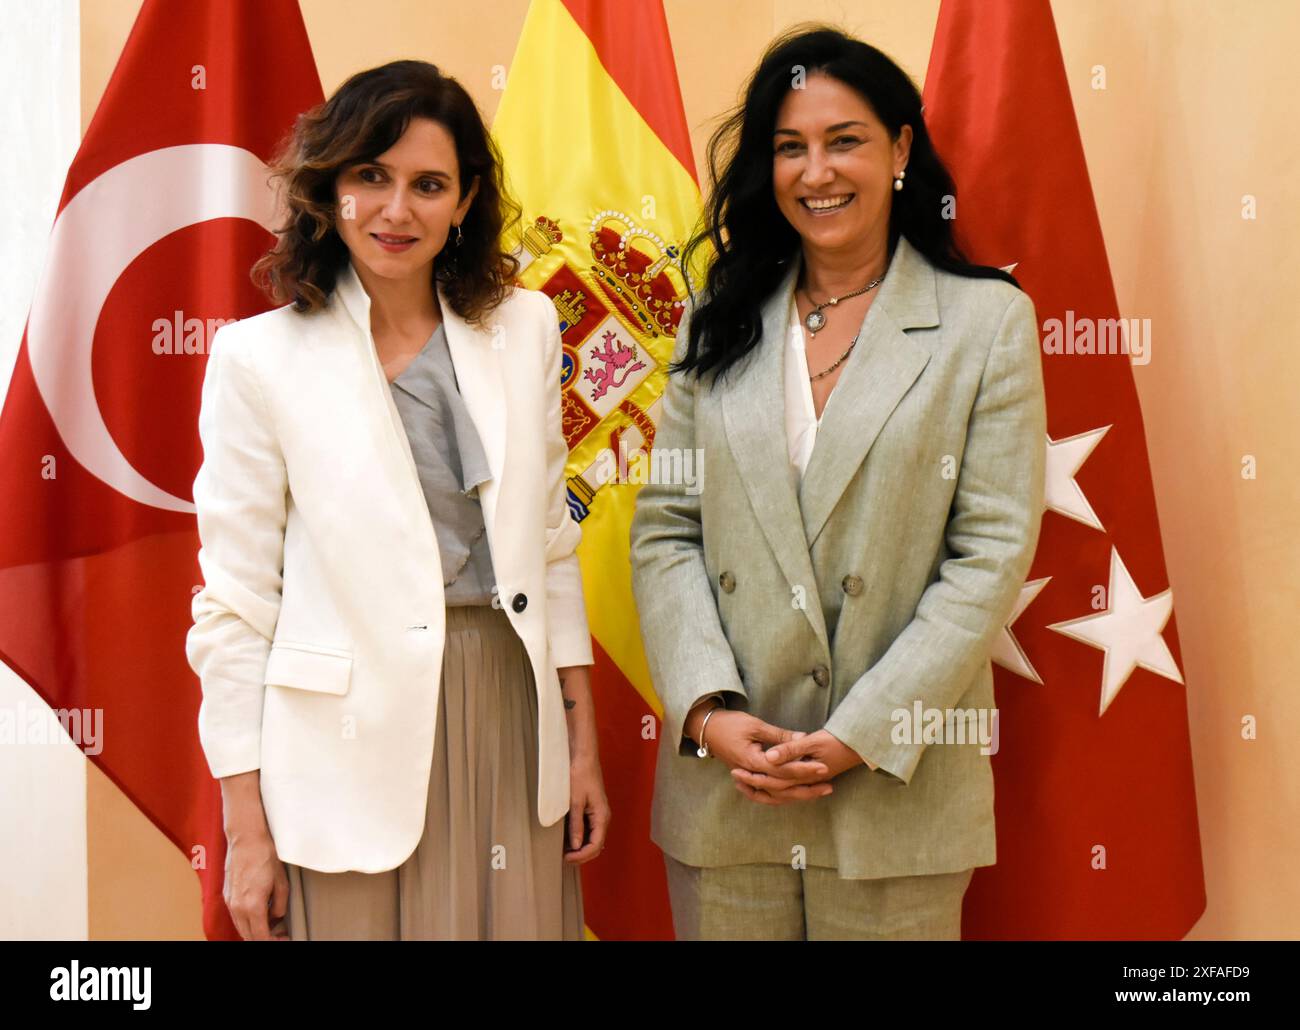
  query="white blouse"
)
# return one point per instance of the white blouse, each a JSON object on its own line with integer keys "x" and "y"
{"x": 801, "y": 421}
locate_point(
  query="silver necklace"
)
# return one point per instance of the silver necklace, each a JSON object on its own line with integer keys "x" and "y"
{"x": 815, "y": 320}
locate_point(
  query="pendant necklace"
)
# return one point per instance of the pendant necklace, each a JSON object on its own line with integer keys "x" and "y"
{"x": 816, "y": 320}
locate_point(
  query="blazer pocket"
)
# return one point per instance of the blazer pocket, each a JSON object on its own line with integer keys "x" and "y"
{"x": 325, "y": 670}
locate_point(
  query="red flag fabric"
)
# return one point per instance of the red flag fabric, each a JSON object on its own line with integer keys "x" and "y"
{"x": 166, "y": 207}
{"x": 1095, "y": 801}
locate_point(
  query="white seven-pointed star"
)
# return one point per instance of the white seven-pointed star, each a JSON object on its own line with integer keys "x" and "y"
{"x": 1128, "y": 632}
{"x": 1007, "y": 651}
{"x": 1061, "y": 492}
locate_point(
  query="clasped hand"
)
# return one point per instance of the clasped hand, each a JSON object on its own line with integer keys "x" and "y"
{"x": 775, "y": 766}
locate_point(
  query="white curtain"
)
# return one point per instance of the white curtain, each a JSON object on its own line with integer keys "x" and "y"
{"x": 43, "y": 893}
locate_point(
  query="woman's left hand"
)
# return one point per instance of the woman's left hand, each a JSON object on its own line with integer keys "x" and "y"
{"x": 588, "y": 812}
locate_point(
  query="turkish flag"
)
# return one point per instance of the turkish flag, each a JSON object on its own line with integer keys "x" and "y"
{"x": 167, "y": 205}
{"x": 1096, "y": 806}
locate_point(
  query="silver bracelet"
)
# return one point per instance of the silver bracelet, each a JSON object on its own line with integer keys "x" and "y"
{"x": 703, "y": 750}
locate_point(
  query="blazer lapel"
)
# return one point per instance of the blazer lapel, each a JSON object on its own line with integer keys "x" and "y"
{"x": 479, "y": 373}
{"x": 884, "y": 365}
{"x": 753, "y": 414}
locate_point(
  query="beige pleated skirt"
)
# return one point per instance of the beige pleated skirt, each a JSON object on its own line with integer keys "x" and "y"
{"x": 485, "y": 868}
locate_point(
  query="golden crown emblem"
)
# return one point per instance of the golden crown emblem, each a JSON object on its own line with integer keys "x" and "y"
{"x": 639, "y": 270}
{"x": 542, "y": 235}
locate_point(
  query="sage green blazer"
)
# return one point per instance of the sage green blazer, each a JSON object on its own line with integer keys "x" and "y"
{"x": 879, "y": 583}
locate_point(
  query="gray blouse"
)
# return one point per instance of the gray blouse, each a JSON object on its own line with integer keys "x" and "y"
{"x": 451, "y": 463}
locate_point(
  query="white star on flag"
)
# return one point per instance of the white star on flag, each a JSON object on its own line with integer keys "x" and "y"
{"x": 1128, "y": 631}
{"x": 1062, "y": 493}
{"x": 1007, "y": 651}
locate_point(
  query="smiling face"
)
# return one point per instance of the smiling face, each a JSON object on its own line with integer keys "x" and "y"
{"x": 833, "y": 166}
{"x": 404, "y": 203}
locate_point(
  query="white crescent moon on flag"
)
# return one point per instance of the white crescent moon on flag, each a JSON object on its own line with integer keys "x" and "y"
{"x": 105, "y": 227}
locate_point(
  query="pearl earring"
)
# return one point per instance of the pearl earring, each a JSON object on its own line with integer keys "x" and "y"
{"x": 898, "y": 180}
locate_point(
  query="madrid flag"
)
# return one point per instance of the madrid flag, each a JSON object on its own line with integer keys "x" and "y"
{"x": 1095, "y": 800}
{"x": 166, "y": 207}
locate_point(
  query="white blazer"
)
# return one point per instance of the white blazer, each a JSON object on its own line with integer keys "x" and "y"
{"x": 318, "y": 633}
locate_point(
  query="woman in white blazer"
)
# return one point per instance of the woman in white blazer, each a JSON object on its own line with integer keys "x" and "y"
{"x": 391, "y": 636}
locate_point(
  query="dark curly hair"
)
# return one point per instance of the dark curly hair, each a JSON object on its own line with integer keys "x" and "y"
{"x": 365, "y": 117}
{"x": 751, "y": 239}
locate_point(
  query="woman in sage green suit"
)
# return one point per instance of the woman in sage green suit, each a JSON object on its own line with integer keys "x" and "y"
{"x": 868, "y": 410}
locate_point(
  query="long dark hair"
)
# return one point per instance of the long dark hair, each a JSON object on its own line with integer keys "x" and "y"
{"x": 752, "y": 240}
{"x": 365, "y": 116}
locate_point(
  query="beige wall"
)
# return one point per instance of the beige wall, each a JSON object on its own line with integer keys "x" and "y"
{"x": 1197, "y": 113}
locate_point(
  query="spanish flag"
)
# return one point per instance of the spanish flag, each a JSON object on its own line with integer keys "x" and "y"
{"x": 596, "y": 148}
